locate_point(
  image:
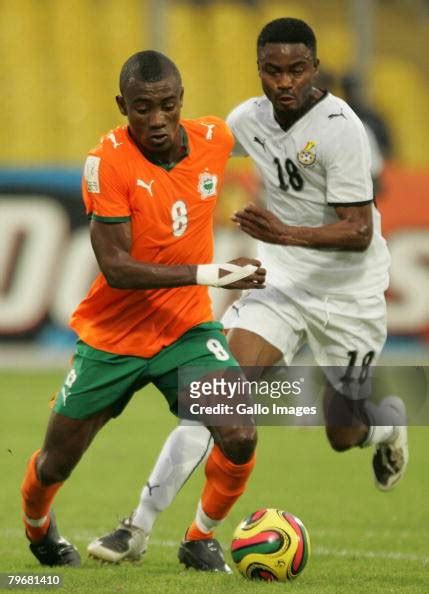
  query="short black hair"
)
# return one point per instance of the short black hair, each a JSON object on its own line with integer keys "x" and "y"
{"x": 288, "y": 30}
{"x": 148, "y": 66}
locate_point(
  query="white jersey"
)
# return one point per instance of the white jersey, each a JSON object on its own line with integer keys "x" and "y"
{"x": 322, "y": 161}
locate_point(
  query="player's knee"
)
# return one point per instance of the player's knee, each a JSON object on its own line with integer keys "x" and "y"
{"x": 50, "y": 471}
{"x": 240, "y": 445}
{"x": 50, "y": 476}
{"x": 340, "y": 438}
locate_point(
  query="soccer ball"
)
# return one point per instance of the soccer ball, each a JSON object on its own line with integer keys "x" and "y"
{"x": 270, "y": 545}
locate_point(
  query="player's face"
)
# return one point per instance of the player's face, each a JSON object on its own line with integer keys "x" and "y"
{"x": 153, "y": 112}
{"x": 287, "y": 71}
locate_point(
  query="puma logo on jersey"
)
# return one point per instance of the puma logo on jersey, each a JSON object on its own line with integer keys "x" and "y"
{"x": 336, "y": 115}
{"x": 113, "y": 140}
{"x": 261, "y": 142}
{"x": 209, "y": 133}
{"x": 147, "y": 187}
{"x": 236, "y": 309}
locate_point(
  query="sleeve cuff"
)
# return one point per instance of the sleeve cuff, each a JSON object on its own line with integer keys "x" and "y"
{"x": 124, "y": 219}
{"x": 360, "y": 203}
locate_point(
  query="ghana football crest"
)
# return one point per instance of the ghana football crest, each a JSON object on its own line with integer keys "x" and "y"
{"x": 207, "y": 184}
{"x": 307, "y": 156}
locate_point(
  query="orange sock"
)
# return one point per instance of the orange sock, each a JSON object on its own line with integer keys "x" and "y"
{"x": 36, "y": 501}
{"x": 194, "y": 533}
{"x": 225, "y": 482}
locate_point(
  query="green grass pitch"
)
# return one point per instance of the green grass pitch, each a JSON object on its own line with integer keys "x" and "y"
{"x": 363, "y": 540}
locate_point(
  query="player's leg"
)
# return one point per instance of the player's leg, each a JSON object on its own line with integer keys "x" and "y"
{"x": 351, "y": 335}
{"x": 65, "y": 442}
{"x": 252, "y": 342}
{"x": 264, "y": 326}
{"x": 227, "y": 470}
{"x": 187, "y": 446}
{"x": 94, "y": 391}
{"x": 363, "y": 423}
{"x": 228, "y": 466}
{"x": 257, "y": 337}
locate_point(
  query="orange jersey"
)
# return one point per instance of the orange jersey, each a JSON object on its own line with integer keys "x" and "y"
{"x": 171, "y": 214}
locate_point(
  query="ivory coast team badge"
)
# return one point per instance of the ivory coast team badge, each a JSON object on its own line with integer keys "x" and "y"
{"x": 207, "y": 184}
{"x": 307, "y": 156}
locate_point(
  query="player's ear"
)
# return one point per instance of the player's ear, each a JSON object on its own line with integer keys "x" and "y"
{"x": 316, "y": 63}
{"x": 120, "y": 102}
{"x": 182, "y": 92}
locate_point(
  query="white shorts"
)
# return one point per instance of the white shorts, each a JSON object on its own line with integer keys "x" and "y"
{"x": 337, "y": 330}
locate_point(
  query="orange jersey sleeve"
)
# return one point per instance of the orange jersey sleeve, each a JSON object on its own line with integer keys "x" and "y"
{"x": 104, "y": 187}
{"x": 171, "y": 214}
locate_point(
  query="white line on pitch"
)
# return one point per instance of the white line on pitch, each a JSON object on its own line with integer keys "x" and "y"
{"x": 327, "y": 552}
{"x": 83, "y": 536}
{"x": 371, "y": 554}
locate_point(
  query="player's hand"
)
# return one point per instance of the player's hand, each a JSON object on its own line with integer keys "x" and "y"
{"x": 259, "y": 223}
{"x": 241, "y": 273}
{"x": 256, "y": 280}
{"x": 253, "y": 281}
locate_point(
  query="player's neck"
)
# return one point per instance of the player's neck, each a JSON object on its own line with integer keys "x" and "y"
{"x": 167, "y": 158}
{"x": 286, "y": 120}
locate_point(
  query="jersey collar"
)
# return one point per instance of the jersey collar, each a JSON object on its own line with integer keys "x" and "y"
{"x": 184, "y": 152}
{"x": 325, "y": 93}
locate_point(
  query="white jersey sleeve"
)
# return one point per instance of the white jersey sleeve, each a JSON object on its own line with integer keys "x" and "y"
{"x": 377, "y": 160}
{"x": 238, "y": 149}
{"x": 347, "y": 160}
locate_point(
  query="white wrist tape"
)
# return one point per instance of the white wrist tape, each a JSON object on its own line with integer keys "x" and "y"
{"x": 208, "y": 274}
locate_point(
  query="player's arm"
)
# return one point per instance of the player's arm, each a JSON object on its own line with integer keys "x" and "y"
{"x": 111, "y": 243}
{"x": 352, "y": 231}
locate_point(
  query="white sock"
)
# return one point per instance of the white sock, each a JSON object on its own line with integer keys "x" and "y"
{"x": 203, "y": 522}
{"x": 378, "y": 434}
{"x": 381, "y": 413}
{"x": 184, "y": 450}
